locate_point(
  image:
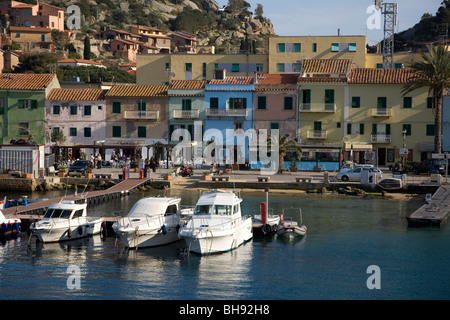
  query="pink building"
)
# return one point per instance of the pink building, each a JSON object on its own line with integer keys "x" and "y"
{"x": 40, "y": 15}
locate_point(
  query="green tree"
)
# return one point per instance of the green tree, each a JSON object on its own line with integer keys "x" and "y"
{"x": 87, "y": 48}
{"x": 43, "y": 62}
{"x": 284, "y": 145}
{"x": 432, "y": 72}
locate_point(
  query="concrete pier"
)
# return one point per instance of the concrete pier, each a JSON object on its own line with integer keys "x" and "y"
{"x": 435, "y": 212}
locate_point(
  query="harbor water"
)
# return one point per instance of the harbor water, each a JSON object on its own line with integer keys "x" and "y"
{"x": 347, "y": 239}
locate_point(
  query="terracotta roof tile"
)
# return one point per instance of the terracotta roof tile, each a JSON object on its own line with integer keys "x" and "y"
{"x": 322, "y": 80}
{"x": 78, "y": 61}
{"x": 25, "y": 81}
{"x": 77, "y": 94}
{"x": 326, "y": 65}
{"x": 379, "y": 76}
{"x": 265, "y": 78}
{"x": 137, "y": 91}
{"x": 233, "y": 80}
{"x": 188, "y": 84}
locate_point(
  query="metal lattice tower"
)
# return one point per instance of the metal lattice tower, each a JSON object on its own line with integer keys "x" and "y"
{"x": 390, "y": 20}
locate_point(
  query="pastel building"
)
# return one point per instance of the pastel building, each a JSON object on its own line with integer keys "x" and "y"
{"x": 79, "y": 114}
{"x": 229, "y": 106}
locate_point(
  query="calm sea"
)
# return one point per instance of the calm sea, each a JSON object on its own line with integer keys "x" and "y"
{"x": 345, "y": 237}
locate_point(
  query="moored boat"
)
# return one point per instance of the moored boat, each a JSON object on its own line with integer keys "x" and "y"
{"x": 289, "y": 227}
{"x": 217, "y": 224}
{"x": 9, "y": 228}
{"x": 152, "y": 222}
{"x": 66, "y": 220}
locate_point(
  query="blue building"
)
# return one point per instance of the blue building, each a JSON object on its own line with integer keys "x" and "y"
{"x": 229, "y": 106}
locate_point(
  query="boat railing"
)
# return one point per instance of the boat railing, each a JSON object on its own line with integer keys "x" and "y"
{"x": 135, "y": 222}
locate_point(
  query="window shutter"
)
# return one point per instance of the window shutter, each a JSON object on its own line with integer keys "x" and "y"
{"x": 349, "y": 128}
{"x": 230, "y": 103}
{"x": 244, "y": 103}
{"x": 361, "y": 128}
{"x": 374, "y": 128}
{"x": 388, "y": 128}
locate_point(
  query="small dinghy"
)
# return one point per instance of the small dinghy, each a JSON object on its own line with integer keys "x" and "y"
{"x": 289, "y": 227}
{"x": 9, "y": 228}
{"x": 391, "y": 184}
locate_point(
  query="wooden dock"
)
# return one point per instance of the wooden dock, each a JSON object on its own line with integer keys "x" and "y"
{"x": 435, "y": 212}
{"x": 36, "y": 209}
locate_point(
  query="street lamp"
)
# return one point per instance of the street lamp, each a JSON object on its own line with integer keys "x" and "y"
{"x": 405, "y": 151}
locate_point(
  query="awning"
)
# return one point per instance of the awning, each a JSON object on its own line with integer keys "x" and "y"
{"x": 358, "y": 146}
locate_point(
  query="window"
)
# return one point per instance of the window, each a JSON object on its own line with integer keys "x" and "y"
{"x": 116, "y": 131}
{"x": 188, "y": 67}
{"x": 430, "y": 102}
{"x": 214, "y": 103}
{"x": 329, "y": 99}
{"x": 430, "y": 130}
{"x": 204, "y": 71}
{"x": 73, "y": 110}
{"x": 356, "y": 102}
{"x": 17, "y": 35}
{"x": 202, "y": 209}
{"x": 407, "y": 127}
{"x": 235, "y": 67}
{"x": 335, "y": 47}
{"x": 87, "y": 110}
{"x": 2, "y": 105}
{"x": 288, "y": 103}
{"x": 222, "y": 210}
{"x": 186, "y": 104}
{"x": 407, "y": 102}
{"x": 27, "y": 104}
{"x": 142, "y": 132}
{"x": 23, "y": 128}
{"x": 306, "y": 99}
{"x": 259, "y": 67}
{"x": 237, "y": 103}
{"x": 281, "y": 47}
{"x": 381, "y": 102}
{"x": 280, "y": 67}
{"x": 314, "y": 48}
{"x": 73, "y": 132}
{"x": 116, "y": 107}
{"x": 297, "y": 47}
{"x": 56, "y": 110}
{"x": 87, "y": 132}
{"x": 296, "y": 67}
{"x": 262, "y": 103}
{"x": 274, "y": 126}
{"x": 352, "y": 47}
{"x": 167, "y": 66}
{"x": 355, "y": 128}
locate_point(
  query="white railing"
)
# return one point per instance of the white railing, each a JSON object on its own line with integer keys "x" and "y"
{"x": 226, "y": 112}
{"x": 185, "y": 114}
{"x": 381, "y": 112}
{"x": 151, "y": 115}
{"x": 381, "y": 138}
{"x": 316, "y": 134}
{"x": 318, "y": 107}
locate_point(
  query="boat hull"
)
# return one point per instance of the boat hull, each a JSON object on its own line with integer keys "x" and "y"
{"x": 61, "y": 233}
{"x": 291, "y": 231}
{"x": 144, "y": 238}
{"x": 206, "y": 241}
{"x": 10, "y": 229}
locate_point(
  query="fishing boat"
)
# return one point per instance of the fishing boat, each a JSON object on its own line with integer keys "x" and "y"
{"x": 152, "y": 222}
{"x": 289, "y": 227}
{"x": 9, "y": 228}
{"x": 66, "y": 220}
{"x": 217, "y": 224}
{"x": 391, "y": 184}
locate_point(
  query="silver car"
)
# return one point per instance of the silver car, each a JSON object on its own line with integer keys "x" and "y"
{"x": 355, "y": 174}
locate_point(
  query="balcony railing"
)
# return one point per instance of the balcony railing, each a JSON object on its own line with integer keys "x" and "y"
{"x": 226, "y": 112}
{"x": 381, "y": 138}
{"x": 185, "y": 114}
{"x": 316, "y": 134}
{"x": 145, "y": 115}
{"x": 381, "y": 112}
{"x": 318, "y": 107}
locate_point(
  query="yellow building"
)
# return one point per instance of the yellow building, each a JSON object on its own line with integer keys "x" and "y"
{"x": 286, "y": 53}
{"x": 161, "y": 69}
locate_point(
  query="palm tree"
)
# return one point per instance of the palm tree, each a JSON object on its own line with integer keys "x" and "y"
{"x": 284, "y": 145}
{"x": 433, "y": 72}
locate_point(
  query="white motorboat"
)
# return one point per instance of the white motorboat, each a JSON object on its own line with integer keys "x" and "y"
{"x": 289, "y": 227}
{"x": 152, "y": 222}
{"x": 66, "y": 220}
{"x": 9, "y": 228}
{"x": 217, "y": 224}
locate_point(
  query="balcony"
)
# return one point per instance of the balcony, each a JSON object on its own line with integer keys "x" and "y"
{"x": 380, "y": 138}
{"x": 316, "y": 134}
{"x": 185, "y": 114}
{"x": 381, "y": 112}
{"x": 142, "y": 115}
{"x": 236, "y": 113}
{"x": 318, "y": 107}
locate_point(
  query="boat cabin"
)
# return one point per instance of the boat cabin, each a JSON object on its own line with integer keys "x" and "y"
{"x": 155, "y": 207}
{"x": 215, "y": 203}
{"x": 65, "y": 210}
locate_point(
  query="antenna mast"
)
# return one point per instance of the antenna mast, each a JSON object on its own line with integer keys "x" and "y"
{"x": 390, "y": 11}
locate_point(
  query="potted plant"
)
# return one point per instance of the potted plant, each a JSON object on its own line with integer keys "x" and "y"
{"x": 206, "y": 176}
{"x": 227, "y": 169}
{"x": 88, "y": 173}
{"x": 235, "y": 166}
{"x": 293, "y": 165}
{"x": 62, "y": 172}
{"x": 169, "y": 176}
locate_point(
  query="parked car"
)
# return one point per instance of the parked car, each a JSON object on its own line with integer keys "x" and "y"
{"x": 348, "y": 166}
{"x": 355, "y": 174}
{"x": 79, "y": 167}
{"x": 431, "y": 166}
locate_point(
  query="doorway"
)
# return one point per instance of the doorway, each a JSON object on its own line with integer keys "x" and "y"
{"x": 381, "y": 156}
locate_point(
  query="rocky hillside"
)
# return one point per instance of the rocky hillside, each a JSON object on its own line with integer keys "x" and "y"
{"x": 235, "y": 28}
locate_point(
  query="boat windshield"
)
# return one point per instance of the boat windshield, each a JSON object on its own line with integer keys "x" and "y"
{"x": 202, "y": 209}
{"x": 57, "y": 213}
{"x": 222, "y": 210}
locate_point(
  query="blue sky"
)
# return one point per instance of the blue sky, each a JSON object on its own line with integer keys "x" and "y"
{"x": 324, "y": 17}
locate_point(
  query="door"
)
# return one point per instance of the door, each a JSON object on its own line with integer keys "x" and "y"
{"x": 381, "y": 156}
